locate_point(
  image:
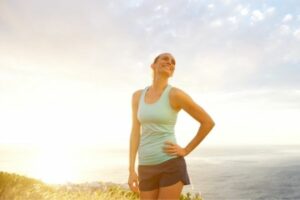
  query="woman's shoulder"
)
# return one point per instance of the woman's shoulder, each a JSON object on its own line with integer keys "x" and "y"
{"x": 178, "y": 95}
{"x": 137, "y": 94}
{"x": 175, "y": 92}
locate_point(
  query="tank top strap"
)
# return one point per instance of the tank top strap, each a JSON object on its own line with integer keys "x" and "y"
{"x": 143, "y": 94}
{"x": 165, "y": 94}
{"x": 141, "y": 100}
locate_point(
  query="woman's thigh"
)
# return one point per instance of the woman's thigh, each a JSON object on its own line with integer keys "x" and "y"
{"x": 147, "y": 195}
{"x": 170, "y": 192}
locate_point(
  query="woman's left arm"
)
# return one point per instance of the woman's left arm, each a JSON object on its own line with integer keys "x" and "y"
{"x": 185, "y": 102}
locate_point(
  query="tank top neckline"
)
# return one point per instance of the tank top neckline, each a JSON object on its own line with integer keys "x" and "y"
{"x": 146, "y": 89}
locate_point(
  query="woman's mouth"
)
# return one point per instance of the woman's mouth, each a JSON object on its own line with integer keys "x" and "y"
{"x": 167, "y": 66}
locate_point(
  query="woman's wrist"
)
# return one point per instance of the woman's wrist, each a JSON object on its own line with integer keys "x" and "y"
{"x": 131, "y": 170}
{"x": 186, "y": 152}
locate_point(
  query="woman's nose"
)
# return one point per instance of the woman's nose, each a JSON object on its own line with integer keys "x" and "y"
{"x": 169, "y": 62}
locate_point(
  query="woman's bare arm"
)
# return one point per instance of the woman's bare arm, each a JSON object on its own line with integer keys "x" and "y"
{"x": 135, "y": 131}
{"x": 134, "y": 143}
{"x": 183, "y": 101}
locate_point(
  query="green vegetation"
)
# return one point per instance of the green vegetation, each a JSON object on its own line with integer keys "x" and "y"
{"x": 16, "y": 187}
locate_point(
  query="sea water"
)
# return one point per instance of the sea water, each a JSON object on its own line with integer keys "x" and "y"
{"x": 223, "y": 172}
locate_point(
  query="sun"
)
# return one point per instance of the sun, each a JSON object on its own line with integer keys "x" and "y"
{"x": 54, "y": 164}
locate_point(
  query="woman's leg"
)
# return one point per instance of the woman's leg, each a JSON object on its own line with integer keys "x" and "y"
{"x": 149, "y": 195}
{"x": 170, "y": 192}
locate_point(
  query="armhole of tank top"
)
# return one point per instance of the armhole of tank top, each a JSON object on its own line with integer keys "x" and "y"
{"x": 168, "y": 100}
{"x": 142, "y": 96}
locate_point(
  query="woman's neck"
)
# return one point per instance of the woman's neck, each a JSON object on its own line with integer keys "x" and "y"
{"x": 159, "y": 84}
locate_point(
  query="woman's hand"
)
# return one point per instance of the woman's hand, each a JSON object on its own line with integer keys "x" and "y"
{"x": 133, "y": 182}
{"x": 174, "y": 149}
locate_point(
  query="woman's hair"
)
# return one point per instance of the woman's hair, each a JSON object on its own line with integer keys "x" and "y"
{"x": 155, "y": 60}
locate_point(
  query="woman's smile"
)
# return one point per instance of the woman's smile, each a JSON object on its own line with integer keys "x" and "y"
{"x": 167, "y": 66}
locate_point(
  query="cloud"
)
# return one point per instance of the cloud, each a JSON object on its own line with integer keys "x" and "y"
{"x": 162, "y": 8}
{"x": 270, "y": 11}
{"x": 296, "y": 33}
{"x": 284, "y": 29}
{"x": 257, "y": 15}
{"x": 260, "y": 15}
{"x": 94, "y": 40}
{"x": 270, "y": 98}
{"x": 232, "y": 19}
{"x": 227, "y": 2}
{"x": 243, "y": 10}
{"x": 211, "y": 6}
{"x": 216, "y": 23}
{"x": 287, "y": 18}
{"x": 75, "y": 42}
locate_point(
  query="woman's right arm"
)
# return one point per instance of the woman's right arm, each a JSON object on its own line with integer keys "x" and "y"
{"x": 134, "y": 142}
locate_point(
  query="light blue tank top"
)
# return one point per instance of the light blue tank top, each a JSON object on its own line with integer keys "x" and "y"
{"x": 157, "y": 126}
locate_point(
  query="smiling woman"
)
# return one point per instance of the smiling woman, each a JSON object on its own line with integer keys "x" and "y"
{"x": 162, "y": 170}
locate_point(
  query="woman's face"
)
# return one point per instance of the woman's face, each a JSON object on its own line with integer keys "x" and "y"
{"x": 165, "y": 64}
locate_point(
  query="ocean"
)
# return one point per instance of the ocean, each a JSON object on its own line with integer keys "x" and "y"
{"x": 223, "y": 172}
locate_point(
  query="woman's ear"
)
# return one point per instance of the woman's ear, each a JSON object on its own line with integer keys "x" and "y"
{"x": 152, "y": 66}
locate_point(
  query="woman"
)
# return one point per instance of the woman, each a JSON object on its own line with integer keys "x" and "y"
{"x": 162, "y": 171}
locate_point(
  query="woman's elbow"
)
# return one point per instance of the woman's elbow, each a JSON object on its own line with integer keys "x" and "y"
{"x": 209, "y": 123}
{"x": 212, "y": 123}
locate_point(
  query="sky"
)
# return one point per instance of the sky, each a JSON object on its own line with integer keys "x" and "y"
{"x": 68, "y": 69}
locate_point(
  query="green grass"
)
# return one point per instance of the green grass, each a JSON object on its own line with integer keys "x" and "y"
{"x": 16, "y": 187}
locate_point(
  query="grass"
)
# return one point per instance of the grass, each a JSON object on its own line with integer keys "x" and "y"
{"x": 17, "y": 187}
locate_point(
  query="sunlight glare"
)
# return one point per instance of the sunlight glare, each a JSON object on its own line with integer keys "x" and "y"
{"x": 54, "y": 165}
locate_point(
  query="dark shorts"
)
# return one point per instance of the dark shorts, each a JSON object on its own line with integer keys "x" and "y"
{"x": 164, "y": 174}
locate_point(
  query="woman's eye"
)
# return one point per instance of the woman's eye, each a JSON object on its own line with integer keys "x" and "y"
{"x": 169, "y": 59}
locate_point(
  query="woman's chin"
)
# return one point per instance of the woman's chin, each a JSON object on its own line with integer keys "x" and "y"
{"x": 169, "y": 74}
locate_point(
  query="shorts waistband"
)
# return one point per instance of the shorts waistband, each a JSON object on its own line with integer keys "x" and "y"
{"x": 163, "y": 163}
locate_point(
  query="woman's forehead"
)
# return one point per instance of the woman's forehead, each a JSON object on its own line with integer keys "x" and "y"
{"x": 166, "y": 55}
